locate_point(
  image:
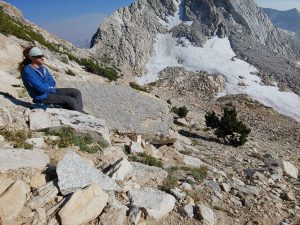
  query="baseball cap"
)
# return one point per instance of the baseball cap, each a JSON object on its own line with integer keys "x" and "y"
{"x": 35, "y": 52}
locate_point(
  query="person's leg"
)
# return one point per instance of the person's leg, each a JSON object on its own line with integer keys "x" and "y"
{"x": 72, "y": 92}
{"x": 65, "y": 101}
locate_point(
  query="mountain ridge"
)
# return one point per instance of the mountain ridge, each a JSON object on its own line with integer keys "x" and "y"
{"x": 288, "y": 19}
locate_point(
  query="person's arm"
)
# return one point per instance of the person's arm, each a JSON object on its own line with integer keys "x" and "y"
{"x": 52, "y": 82}
{"x": 35, "y": 83}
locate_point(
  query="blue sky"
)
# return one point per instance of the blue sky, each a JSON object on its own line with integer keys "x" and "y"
{"x": 78, "y": 19}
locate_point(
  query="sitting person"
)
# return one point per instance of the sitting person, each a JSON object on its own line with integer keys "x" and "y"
{"x": 40, "y": 84}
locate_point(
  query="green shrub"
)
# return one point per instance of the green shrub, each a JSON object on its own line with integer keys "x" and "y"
{"x": 146, "y": 159}
{"x": 18, "y": 137}
{"x": 85, "y": 142}
{"x": 228, "y": 128}
{"x": 94, "y": 67}
{"x": 181, "y": 111}
{"x": 138, "y": 87}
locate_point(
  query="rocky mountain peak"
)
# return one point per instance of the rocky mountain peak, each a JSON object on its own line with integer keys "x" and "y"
{"x": 128, "y": 35}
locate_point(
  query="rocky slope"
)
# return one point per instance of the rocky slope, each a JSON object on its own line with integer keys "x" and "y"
{"x": 128, "y": 163}
{"x": 288, "y": 20}
{"x": 129, "y": 34}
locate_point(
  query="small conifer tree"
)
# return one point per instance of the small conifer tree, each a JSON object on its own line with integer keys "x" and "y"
{"x": 228, "y": 128}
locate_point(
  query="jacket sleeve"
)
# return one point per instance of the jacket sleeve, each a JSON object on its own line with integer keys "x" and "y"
{"x": 35, "y": 83}
{"x": 52, "y": 82}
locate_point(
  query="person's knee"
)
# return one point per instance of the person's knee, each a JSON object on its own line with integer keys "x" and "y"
{"x": 77, "y": 92}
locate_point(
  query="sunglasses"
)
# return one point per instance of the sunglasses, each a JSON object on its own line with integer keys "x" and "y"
{"x": 39, "y": 56}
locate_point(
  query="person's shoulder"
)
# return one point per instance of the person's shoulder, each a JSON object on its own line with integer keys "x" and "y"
{"x": 27, "y": 68}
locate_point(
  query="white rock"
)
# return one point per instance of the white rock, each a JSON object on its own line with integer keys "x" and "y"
{"x": 38, "y": 181}
{"x": 157, "y": 203}
{"x": 40, "y": 120}
{"x": 36, "y": 142}
{"x": 84, "y": 206}
{"x": 46, "y": 194}
{"x": 111, "y": 155}
{"x": 12, "y": 159}
{"x": 9, "y": 79}
{"x": 53, "y": 117}
{"x": 8, "y": 89}
{"x": 145, "y": 174}
{"x": 178, "y": 146}
{"x": 179, "y": 194}
{"x": 5, "y": 183}
{"x": 136, "y": 148}
{"x": 192, "y": 161}
{"x": 152, "y": 151}
{"x": 5, "y": 117}
{"x": 290, "y": 169}
{"x": 135, "y": 215}
{"x": 186, "y": 186}
{"x": 187, "y": 210}
{"x": 182, "y": 121}
{"x": 120, "y": 170}
{"x": 75, "y": 173}
{"x": 207, "y": 215}
{"x": 2, "y": 139}
{"x": 12, "y": 200}
{"x": 225, "y": 187}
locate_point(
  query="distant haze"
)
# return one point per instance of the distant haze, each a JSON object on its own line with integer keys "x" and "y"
{"x": 279, "y": 4}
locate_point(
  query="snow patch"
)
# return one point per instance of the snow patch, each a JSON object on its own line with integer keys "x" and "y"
{"x": 216, "y": 56}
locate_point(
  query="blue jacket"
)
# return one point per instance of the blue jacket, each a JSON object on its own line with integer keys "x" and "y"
{"x": 38, "y": 82}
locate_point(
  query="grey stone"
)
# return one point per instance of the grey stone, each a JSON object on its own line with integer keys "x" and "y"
{"x": 270, "y": 161}
{"x": 5, "y": 116}
{"x": 132, "y": 111}
{"x": 145, "y": 174}
{"x": 213, "y": 185}
{"x": 12, "y": 159}
{"x": 135, "y": 215}
{"x": 120, "y": 170}
{"x": 179, "y": 194}
{"x": 114, "y": 203}
{"x": 136, "y": 148}
{"x": 225, "y": 187}
{"x": 46, "y": 193}
{"x": 36, "y": 142}
{"x": 157, "y": 203}
{"x": 250, "y": 190}
{"x": 187, "y": 210}
{"x": 192, "y": 161}
{"x": 75, "y": 173}
{"x": 186, "y": 186}
{"x": 207, "y": 215}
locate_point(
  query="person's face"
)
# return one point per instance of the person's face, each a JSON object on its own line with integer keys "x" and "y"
{"x": 39, "y": 60}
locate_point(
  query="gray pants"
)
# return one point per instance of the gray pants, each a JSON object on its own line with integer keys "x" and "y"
{"x": 68, "y": 98}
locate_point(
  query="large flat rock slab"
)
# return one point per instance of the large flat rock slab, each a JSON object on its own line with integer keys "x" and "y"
{"x": 12, "y": 159}
{"x": 124, "y": 108}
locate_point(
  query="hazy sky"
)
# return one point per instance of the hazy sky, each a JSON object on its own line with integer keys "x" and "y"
{"x": 280, "y": 4}
{"x": 79, "y": 19}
